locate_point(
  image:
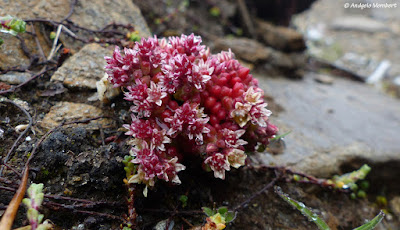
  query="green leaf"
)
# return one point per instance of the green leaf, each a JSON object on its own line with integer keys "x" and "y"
{"x": 222, "y": 210}
{"x": 303, "y": 209}
{"x": 184, "y": 200}
{"x": 230, "y": 216}
{"x": 12, "y": 25}
{"x": 372, "y": 224}
{"x": 281, "y": 136}
{"x": 208, "y": 211}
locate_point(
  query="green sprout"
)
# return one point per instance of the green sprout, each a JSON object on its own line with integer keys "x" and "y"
{"x": 11, "y": 25}
{"x": 220, "y": 216}
{"x": 133, "y": 36}
{"x": 184, "y": 200}
{"x": 33, "y": 204}
{"x": 215, "y": 11}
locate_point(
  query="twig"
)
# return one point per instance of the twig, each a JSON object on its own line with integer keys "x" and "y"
{"x": 41, "y": 72}
{"x": 57, "y": 206}
{"x": 246, "y": 18}
{"x": 9, "y": 167}
{"x": 71, "y": 10}
{"x": 21, "y": 135}
{"x": 176, "y": 212}
{"x": 252, "y": 197}
{"x": 53, "y": 48}
{"x": 37, "y": 42}
{"x": 24, "y": 47}
{"x": 84, "y": 203}
{"x": 309, "y": 179}
{"x": 11, "y": 211}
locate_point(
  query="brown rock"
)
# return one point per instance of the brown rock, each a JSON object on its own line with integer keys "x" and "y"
{"x": 244, "y": 48}
{"x": 84, "y": 68}
{"x": 68, "y": 111}
{"x": 90, "y": 14}
{"x": 280, "y": 38}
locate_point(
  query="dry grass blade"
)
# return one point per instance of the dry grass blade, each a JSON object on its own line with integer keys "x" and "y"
{"x": 11, "y": 211}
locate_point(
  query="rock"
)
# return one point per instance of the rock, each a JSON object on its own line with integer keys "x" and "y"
{"x": 358, "y": 23}
{"x": 332, "y": 124}
{"x": 394, "y": 204}
{"x": 280, "y": 38}
{"x": 68, "y": 111}
{"x": 271, "y": 61}
{"x": 361, "y": 65}
{"x": 97, "y": 14}
{"x": 11, "y": 54}
{"x": 244, "y": 48}
{"x": 15, "y": 77}
{"x": 323, "y": 79}
{"x": 84, "y": 68}
{"x": 284, "y": 61}
{"x": 91, "y": 14}
{"x": 365, "y": 37}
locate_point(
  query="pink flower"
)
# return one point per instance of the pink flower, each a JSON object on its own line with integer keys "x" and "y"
{"x": 201, "y": 74}
{"x": 259, "y": 114}
{"x": 142, "y": 108}
{"x": 156, "y": 94}
{"x": 189, "y": 45}
{"x": 139, "y": 128}
{"x": 219, "y": 164}
{"x": 232, "y": 138}
{"x": 137, "y": 92}
{"x": 186, "y": 101}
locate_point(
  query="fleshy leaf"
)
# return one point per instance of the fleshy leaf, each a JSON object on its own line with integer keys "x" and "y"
{"x": 12, "y": 25}
{"x": 230, "y": 216}
{"x": 222, "y": 210}
{"x": 208, "y": 211}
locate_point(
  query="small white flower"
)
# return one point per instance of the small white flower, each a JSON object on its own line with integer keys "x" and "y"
{"x": 236, "y": 158}
{"x": 241, "y": 113}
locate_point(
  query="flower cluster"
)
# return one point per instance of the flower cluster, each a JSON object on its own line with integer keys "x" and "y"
{"x": 187, "y": 101}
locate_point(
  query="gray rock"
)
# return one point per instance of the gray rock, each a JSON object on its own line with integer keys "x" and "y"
{"x": 324, "y": 79}
{"x": 84, "y": 68}
{"x": 371, "y": 34}
{"x": 68, "y": 111}
{"x": 332, "y": 124}
{"x": 15, "y": 77}
{"x": 359, "y": 23}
